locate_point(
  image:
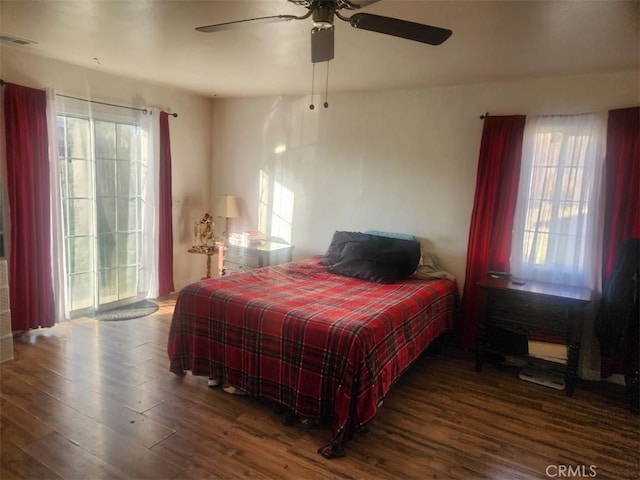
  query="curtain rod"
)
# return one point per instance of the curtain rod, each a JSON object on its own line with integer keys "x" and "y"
{"x": 482, "y": 117}
{"x": 143, "y": 110}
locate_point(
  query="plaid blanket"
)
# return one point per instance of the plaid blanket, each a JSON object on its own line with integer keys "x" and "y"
{"x": 320, "y": 344}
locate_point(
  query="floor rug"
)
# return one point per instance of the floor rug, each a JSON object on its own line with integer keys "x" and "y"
{"x": 128, "y": 312}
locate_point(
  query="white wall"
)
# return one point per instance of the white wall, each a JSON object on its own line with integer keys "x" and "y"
{"x": 400, "y": 160}
{"x": 190, "y": 135}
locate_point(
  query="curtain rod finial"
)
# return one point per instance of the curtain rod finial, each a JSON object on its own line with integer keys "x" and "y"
{"x": 482, "y": 117}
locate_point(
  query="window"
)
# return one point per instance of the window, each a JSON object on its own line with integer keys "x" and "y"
{"x": 102, "y": 167}
{"x": 275, "y": 210}
{"x": 557, "y": 217}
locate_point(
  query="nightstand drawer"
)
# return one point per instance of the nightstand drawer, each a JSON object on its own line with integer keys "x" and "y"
{"x": 234, "y": 267}
{"x": 526, "y": 304}
{"x": 529, "y": 312}
{"x": 240, "y": 256}
{"x": 241, "y": 259}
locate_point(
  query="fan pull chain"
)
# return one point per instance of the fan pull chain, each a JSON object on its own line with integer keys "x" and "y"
{"x": 326, "y": 89}
{"x": 313, "y": 80}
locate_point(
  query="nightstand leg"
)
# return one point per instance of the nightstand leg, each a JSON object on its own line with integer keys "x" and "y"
{"x": 208, "y": 266}
{"x": 481, "y": 338}
{"x": 480, "y": 348}
{"x": 573, "y": 354}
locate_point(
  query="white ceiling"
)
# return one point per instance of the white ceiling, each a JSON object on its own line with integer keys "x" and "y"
{"x": 492, "y": 41}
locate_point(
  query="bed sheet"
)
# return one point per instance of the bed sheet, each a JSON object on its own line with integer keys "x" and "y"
{"x": 320, "y": 344}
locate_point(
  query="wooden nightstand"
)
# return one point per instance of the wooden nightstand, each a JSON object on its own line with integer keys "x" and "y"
{"x": 241, "y": 259}
{"x": 543, "y": 311}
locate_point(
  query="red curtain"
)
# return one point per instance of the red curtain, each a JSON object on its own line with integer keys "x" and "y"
{"x": 30, "y": 280}
{"x": 492, "y": 217}
{"x": 165, "y": 247}
{"x": 622, "y": 183}
{"x": 622, "y": 197}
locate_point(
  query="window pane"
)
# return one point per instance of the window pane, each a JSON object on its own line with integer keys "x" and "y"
{"x": 80, "y": 254}
{"x": 78, "y": 138}
{"x": 543, "y": 182}
{"x": 572, "y": 179}
{"x": 106, "y": 211}
{"x": 569, "y": 212}
{"x": 538, "y": 248}
{"x": 127, "y": 249}
{"x": 105, "y": 138}
{"x": 81, "y": 291}
{"x": 126, "y": 178}
{"x": 62, "y": 136}
{"x": 127, "y": 282}
{"x": 107, "y": 249}
{"x": 78, "y": 213}
{"x": 108, "y": 286}
{"x": 105, "y": 177}
{"x": 78, "y": 178}
{"x": 126, "y": 214}
{"x": 141, "y": 178}
{"x": 127, "y": 141}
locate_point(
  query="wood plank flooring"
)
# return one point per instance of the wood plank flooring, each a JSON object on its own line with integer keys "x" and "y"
{"x": 95, "y": 400}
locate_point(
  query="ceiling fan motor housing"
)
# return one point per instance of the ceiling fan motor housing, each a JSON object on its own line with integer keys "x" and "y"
{"x": 322, "y": 15}
{"x": 336, "y": 4}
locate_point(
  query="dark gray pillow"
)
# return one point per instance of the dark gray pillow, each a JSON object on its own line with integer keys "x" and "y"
{"x": 370, "y": 257}
{"x": 338, "y": 242}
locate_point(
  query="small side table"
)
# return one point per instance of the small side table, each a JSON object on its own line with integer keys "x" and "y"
{"x": 209, "y": 251}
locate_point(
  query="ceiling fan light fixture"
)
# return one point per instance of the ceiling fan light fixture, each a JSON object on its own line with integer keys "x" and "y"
{"x": 322, "y": 44}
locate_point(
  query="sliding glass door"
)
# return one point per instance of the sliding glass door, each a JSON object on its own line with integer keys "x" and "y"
{"x": 102, "y": 164}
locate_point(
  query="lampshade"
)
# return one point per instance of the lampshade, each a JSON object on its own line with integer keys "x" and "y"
{"x": 226, "y": 206}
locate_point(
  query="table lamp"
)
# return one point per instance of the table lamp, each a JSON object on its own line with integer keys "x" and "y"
{"x": 226, "y": 206}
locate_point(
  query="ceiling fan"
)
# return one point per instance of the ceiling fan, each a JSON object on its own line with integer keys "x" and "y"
{"x": 322, "y": 13}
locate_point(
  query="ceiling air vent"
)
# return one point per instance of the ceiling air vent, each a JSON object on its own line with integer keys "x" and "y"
{"x": 15, "y": 40}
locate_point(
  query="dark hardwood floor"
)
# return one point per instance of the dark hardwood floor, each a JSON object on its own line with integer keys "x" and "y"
{"x": 95, "y": 400}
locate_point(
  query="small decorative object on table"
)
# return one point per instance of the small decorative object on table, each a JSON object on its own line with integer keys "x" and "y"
{"x": 203, "y": 231}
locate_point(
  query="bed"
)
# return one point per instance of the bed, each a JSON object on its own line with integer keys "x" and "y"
{"x": 324, "y": 345}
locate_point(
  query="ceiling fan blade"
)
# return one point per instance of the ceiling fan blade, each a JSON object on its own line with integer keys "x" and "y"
{"x": 322, "y": 41}
{"x": 400, "y": 28}
{"x": 249, "y": 22}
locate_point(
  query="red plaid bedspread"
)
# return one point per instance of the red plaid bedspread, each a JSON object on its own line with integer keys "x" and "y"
{"x": 323, "y": 345}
